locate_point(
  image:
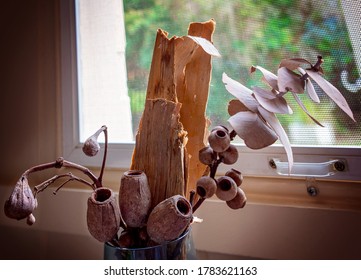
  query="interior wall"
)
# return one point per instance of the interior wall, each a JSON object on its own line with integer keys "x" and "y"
{"x": 31, "y": 131}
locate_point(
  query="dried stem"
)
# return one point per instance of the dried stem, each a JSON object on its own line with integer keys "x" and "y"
{"x": 59, "y": 163}
{"x": 41, "y": 187}
{"x": 105, "y": 130}
{"x": 198, "y": 203}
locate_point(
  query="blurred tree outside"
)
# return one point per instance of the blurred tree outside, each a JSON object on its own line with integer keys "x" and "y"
{"x": 252, "y": 32}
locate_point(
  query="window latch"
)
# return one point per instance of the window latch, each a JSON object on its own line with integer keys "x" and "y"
{"x": 309, "y": 169}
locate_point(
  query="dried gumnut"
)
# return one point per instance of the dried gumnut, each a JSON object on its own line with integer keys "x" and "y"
{"x": 236, "y": 176}
{"x": 134, "y": 198}
{"x": 21, "y": 202}
{"x": 126, "y": 239}
{"x": 206, "y": 155}
{"x": 226, "y": 188}
{"x": 169, "y": 219}
{"x": 229, "y": 156}
{"x": 206, "y": 187}
{"x": 91, "y": 146}
{"x": 30, "y": 220}
{"x": 219, "y": 139}
{"x": 103, "y": 215}
{"x": 239, "y": 201}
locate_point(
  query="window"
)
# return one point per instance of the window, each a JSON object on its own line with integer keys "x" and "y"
{"x": 248, "y": 33}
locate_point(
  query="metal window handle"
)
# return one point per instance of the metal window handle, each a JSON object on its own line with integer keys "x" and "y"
{"x": 308, "y": 169}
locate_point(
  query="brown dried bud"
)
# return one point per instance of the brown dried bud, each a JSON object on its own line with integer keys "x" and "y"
{"x": 239, "y": 201}
{"x": 229, "y": 156}
{"x": 226, "y": 188}
{"x": 91, "y": 146}
{"x": 30, "y": 220}
{"x": 206, "y": 187}
{"x": 21, "y": 202}
{"x": 236, "y": 176}
{"x": 206, "y": 155}
{"x": 219, "y": 139}
{"x": 134, "y": 198}
{"x": 103, "y": 215}
{"x": 169, "y": 219}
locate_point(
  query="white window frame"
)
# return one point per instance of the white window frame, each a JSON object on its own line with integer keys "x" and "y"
{"x": 251, "y": 162}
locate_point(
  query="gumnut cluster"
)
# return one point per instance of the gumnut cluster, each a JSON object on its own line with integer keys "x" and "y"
{"x": 227, "y": 187}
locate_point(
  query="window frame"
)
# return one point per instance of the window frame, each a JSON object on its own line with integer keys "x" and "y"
{"x": 250, "y": 163}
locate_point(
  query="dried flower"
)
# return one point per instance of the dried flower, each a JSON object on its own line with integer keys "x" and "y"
{"x": 21, "y": 202}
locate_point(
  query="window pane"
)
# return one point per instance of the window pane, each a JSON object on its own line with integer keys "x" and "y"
{"x": 261, "y": 33}
{"x": 103, "y": 96}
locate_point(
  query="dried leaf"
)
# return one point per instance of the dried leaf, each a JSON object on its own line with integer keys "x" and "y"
{"x": 293, "y": 63}
{"x": 241, "y": 92}
{"x": 271, "y": 102}
{"x": 309, "y": 89}
{"x": 235, "y": 106}
{"x": 206, "y": 45}
{"x": 289, "y": 81}
{"x": 272, "y": 120}
{"x": 304, "y": 108}
{"x": 332, "y": 92}
{"x": 252, "y": 129}
{"x": 268, "y": 76}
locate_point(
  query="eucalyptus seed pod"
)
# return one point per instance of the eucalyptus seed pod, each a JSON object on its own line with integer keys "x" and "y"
{"x": 219, "y": 139}
{"x": 103, "y": 215}
{"x": 206, "y": 155}
{"x": 134, "y": 198}
{"x": 239, "y": 201}
{"x": 229, "y": 156}
{"x": 91, "y": 145}
{"x": 169, "y": 219}
{"x": 236, "y": 176}
{"x": 226, "y": 188}
{"x": 206, "y": 187}
{"x": 126, "y": 240}
{"x": 21, "y": 202}
{"x": 30, "y": 220}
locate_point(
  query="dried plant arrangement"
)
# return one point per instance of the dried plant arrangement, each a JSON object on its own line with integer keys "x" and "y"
{"x": 176, "y": 154}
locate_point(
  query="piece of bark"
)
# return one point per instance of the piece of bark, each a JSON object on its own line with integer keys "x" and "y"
{"x": 159, "y": 149}
{"x": 192, "y": 91}
{"x": 176, "y": 99}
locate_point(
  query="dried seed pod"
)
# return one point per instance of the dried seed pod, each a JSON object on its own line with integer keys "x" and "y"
{"x": 134, "y": 198}
{"x": 236, "y": 176}
{"x": 229, "y": 156}
{"x": 206, "y": 187}
{"x": 226, "y": 188}
{"x": 239, "y": 201}
{"x": 21, "y": 202}
{"x": 30, "y": 220}
{"x": 169, "y": 219}
{"x": 219, "y": 139}
{"x": 103, "y": 215}
{"x": 207, "y": 155}
{"x": 91, "y": 146}
{"x": 126, "y": 239}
